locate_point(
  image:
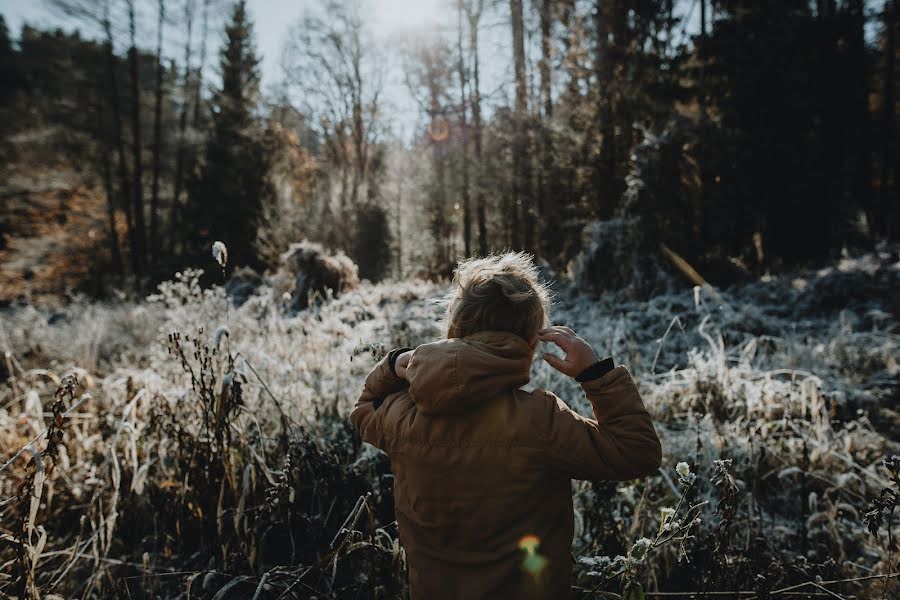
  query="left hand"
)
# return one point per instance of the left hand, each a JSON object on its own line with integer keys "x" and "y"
{"x": 401, "y": 364}
{"x": 579, "y": 354}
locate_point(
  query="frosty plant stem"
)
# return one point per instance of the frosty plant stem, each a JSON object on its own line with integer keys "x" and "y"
{"x": 220, "y": 254}
{"x": 30, "y": 492}
{"x": 678, "y": 529}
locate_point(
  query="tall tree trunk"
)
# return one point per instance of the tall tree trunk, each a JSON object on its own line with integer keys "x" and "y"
{"x": 572, "y": 205}
{"x": 157, "y": 137}
{"x": 605, "y": 177}
{"x": 360, "y": 150}
{"x": 546, "y": 19}
{"x": 547, "y": 194}
{"x": 439, "y": 228}
{"x": 887, "y": 184}
{"x": 180, "y": 153}
{"x": 198, "y": 90}
{"x": 861, "y": 154}
{"x": 439, "y": 223}
{"x": 474, "y": 16}
{"x": 109, "y": 186}
{"x": 702, "y": 42}
{"x": 521, "y": 198}
{"x": 119, "y": 140}
{"x": 467, "y": 213}
{"x": 107, "y": 149}
{"x": 702, "y": 27}
{"x": 137, "y": 169}
{"x": 400, "y": 236}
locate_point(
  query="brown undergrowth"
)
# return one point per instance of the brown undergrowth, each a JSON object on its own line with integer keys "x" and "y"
{"x": 206, "y": 452}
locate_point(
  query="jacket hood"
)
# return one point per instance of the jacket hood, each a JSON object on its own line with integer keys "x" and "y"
{"x": 452, "y": 376}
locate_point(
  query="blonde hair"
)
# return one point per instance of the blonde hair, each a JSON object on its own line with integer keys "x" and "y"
{"x": 501, "y": 292}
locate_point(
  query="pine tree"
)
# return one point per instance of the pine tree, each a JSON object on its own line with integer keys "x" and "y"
{"x": 226, "y": 199}
{"x": 9, "y": 73}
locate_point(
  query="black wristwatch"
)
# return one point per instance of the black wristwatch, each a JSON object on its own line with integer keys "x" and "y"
{"x": 392, "y": 357}
{"x": 596, "y": 370}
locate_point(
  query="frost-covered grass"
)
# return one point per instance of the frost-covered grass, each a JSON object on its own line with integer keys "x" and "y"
{"x": 205, "y": 448}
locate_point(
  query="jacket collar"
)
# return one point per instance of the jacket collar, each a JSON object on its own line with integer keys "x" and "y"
{"x": 455, "y": 375}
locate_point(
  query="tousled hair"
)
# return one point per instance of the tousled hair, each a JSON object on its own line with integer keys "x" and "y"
{"x": 500, "y": 292}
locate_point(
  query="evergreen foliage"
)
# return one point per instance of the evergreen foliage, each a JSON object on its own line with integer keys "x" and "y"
{"x": 225, "y": 201}
{"x": 763, "y": 140}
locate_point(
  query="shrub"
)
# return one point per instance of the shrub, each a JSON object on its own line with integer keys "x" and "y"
{"x": 307, "y": 270}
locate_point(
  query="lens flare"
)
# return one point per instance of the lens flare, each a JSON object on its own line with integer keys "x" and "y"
{"x": 533, "y": 563}
{"x": 529, "y": 543}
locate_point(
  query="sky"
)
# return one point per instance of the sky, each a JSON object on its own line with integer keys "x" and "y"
{"x": 389, "y": 20}
{"x": 272, "y": 19}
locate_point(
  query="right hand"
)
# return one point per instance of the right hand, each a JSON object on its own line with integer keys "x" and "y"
{"x": 402, "y": 363}
{"x": 579, "y": 354}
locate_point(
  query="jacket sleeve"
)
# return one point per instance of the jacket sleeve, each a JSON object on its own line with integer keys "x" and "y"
{"x": 380, "y": 383}
{"x": 620, "y": 443}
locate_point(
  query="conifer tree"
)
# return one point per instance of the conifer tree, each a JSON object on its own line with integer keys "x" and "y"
{"x": 233, "y": 180}
{"x": 7, "y": 64}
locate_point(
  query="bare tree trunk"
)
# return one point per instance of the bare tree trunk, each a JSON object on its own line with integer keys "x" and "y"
{"x": 439, "y": 223}
{"x": 400, "y": 229}
{"x": 572, "y": 203}
{"x": 889, "y": 208}
{"x": 473, "y": 12}
{"x": 345, "y": 177}
{"x": 360, "y": 148}
{"x": 861, "y": 147}
{"x": 198, "y": 90}
{"x": 439, "y": 218}
{"x": 702, "y": 28}
{"x": 547, "y": 193}
{"x": 174, "y": 214}
{"x": 119, "y": 141}
{"x": 109, "y": 185}
{"x": 606, "y": 14}
{"x": 521, "y": 202}
{"x": 137, "y": 169}
{"x": 546, "y": 19}
{"x": 157, "y": 137}
{"x": 702, "y": 50}
{"x": 467, "y": 213}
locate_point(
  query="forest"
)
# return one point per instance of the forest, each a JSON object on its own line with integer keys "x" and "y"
{"x": 202, "y": 254}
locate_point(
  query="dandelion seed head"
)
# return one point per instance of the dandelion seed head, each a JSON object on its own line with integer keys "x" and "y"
{"x": 220, "y": 253}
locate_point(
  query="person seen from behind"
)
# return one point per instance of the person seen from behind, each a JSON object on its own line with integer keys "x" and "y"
{"x": 482, "y": 469}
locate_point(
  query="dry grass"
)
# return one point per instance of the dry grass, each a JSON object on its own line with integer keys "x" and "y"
{"x": 205, "y": 451}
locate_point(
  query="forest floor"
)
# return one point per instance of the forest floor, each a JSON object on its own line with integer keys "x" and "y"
{"x": 185, "y": 447}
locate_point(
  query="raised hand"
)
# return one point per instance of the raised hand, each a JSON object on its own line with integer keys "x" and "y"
{"x": 402, "y": 363}
{"x": 579, "y": 354}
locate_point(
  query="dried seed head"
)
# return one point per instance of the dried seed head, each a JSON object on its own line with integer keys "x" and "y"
{"x": 220, "y": 253}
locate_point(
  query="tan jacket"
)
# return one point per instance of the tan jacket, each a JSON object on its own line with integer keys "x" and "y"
{"x": 480, "y": 466}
